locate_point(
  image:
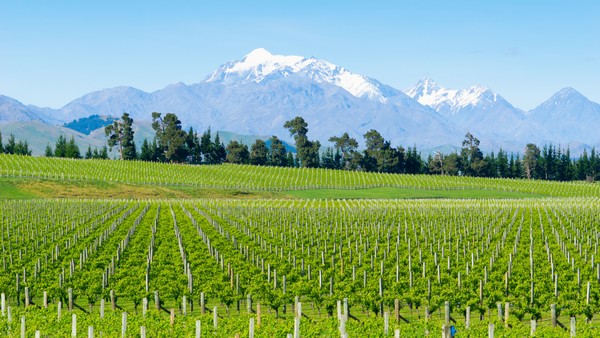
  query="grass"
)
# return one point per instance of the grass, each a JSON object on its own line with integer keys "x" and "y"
{"x": 27, "y": 188}
{"x": 405, "y": 193}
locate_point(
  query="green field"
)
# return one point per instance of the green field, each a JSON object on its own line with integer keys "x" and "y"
{"x": 225, "y": 233}
{"x": 26, "y": 188}
{"x": 247, "y": 177}
{"x": 402, "y": 193}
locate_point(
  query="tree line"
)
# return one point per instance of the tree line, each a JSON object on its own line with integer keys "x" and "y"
{"x": 173, "y": 144}
{"x": 14, "y": 147}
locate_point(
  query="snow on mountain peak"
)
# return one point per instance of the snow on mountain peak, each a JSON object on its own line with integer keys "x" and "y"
{"x": 260, "y": 65}
{"x": 429, "y": 93}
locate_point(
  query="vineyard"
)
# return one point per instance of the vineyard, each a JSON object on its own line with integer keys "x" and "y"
{"x": 259, "y": 268}
{"x": 267, "y": 178}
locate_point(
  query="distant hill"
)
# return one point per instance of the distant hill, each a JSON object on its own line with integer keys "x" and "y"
{"x": 39, "y": 134}
{"x": 86, "y": 125}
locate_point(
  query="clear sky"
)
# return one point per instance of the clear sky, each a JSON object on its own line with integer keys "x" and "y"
{"x": 52, "y": 52}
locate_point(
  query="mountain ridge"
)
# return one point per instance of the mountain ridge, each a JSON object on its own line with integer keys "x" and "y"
{"x": 258, "y": 93}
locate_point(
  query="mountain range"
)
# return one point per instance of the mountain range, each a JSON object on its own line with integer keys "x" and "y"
{"x": 258, "y": 93}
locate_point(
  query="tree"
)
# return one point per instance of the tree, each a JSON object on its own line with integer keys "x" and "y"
{"x": 308, "y": 151}
{"x": 120, "y": 134}
{"x": 258, "y": 153}
{"x": 346, "y": 145}
{"x": 237, "y": 153}
{"x": 88, "y": 154}
{"x": 192, "y": 143}
{"x": 72, "y": 149}
{"x": 219, "y": 154}
{"x": 103, "y": 153}
{"x": 60, "y": 147}
{"x": 530, "y": 160}
{"x": 10, "y": 146}
{"x": 147, "y": 151}
{"x": 277, "y": 153}
{"x": 170, "y": 137}
{"x": 22, "y": 148}
{"x": 452, "y": 164}
{"x": 206, "y": 145}
{"x": 48, "y": 152}
{"x": 380, "y": 152}
{"x": 1, "y": 145}
{"x": 472, "y": 160}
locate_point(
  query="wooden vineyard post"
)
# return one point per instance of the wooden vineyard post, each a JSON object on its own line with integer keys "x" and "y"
{"x": 346, "y": 310}
{"x": 74, "y": 326}
{"x": 491, "y": 330}
{"x": 215, "y": 317}
{"x": 184, "y": 305}
{"x": 297, "y": 327}
{"x": 198, "y": 329}
{"x": 506, "y": 313}
{"x": 573, "y": 331}
{"x": 468, "y": 317}
{"x": 386, "y": 322}
{"x": 113, "y": 301}
{"x": 58, "y": 311}
{"x": 249, "y": 303}
{"x": 3, "y": 303}
{"x": 26, "y": 296}
{"x": 202, "y": 305}
{"x": 250, "y": 328}
{"x": 144, "y": 306}
{"x": 480, "y": 298}
{"x": 533, "y": 326}
{"x": 142, "y": 332}
{"x": 397, "y": 310}
{"x": 258, "y": 314}
{"x": 446, "y": 333}
{"x": 447, "y": 312}
{"x": 381, "y": 295}
{"x": 23, "y": 327}
{"x": 553, "y": 314}
{"x": 157, "y": 301}
{"x": 45, "y": 300}
{"x": 172, "y": 317}
{"x": 102, "y": 308}
{"x": 70, "y": 300}
{"x": 123, "y": 324}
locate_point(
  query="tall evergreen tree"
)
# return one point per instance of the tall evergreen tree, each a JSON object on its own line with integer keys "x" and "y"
{"x": 60, "y": 148}
{"x": 48, "y": 152}
{"x": 72, "y": 149}
{"x": 237, "y": 153}
{"x": 259, "y": 153}
{"x": 9, "y": 148}
{"x": 277, "y": 153}
{"x": 206, "y": 145}
{"x": 88, "y": 153}
{"x": 219, "y": 154}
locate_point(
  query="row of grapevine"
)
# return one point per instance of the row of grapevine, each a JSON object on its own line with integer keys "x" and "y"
{"x": 381, "y": 255}
{"x": 267, "y": 178}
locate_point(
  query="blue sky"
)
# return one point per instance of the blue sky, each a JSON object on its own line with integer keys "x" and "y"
{"x": 54, "y": 52}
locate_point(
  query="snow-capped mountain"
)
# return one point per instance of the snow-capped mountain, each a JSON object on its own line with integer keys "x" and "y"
{"x": 480, "y": 110}
{"x": 570, "y": 116}
{"x": 260, "y": 66}
{"x": 258, "y": 93}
